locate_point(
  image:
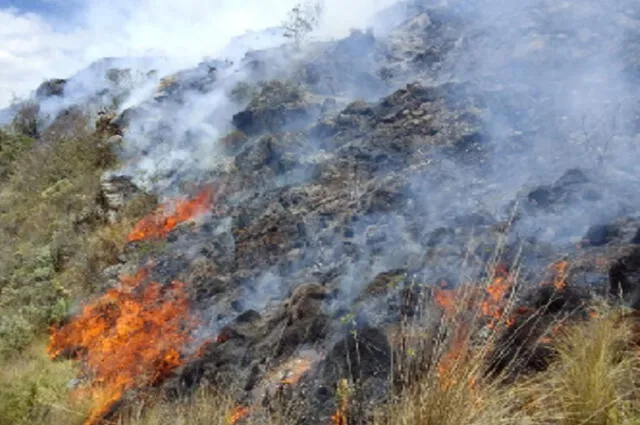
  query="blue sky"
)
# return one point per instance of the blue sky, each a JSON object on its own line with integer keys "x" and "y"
{"x": 54, "y": 9}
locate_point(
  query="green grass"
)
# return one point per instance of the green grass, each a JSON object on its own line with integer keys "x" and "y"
{"x": 34, "y": 391}
{"x": 53, "y": 241}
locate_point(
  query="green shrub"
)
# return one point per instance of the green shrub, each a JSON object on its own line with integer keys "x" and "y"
{"x": 35, "y": 391}
{"x": 54, "y": 243}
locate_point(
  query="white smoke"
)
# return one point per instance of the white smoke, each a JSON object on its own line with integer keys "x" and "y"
{"x": 35, "y": 47}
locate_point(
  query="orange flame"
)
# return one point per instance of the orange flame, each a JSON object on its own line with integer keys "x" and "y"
{"x": 126, "y": 339}
{"x": 158, "y": 224}
{"x": 446, "y": 300}
{"x": 340, "y": 416}
{"x": 491, "y": 305}
{"x": 560, "y": 274}
{"x": 238, "y": 413}
{"x": 294, "y": 370}
{"x": 459, "y": 348}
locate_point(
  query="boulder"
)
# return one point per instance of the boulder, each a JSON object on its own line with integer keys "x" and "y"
{"x": 50, "y": 88}
{"x": 280, "y": 106}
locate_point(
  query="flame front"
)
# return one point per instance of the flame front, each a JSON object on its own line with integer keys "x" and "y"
{"x": 495, "y": 297}
{"x": 128, "y": 338}
{"x": 158, "y": 224}
{"x": 456, "y": 302}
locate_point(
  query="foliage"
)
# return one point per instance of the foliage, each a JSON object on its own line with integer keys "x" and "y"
{"x": 27, "y": 121}
{"x": 54, "y": 241}
{"x": 34, "y": 391}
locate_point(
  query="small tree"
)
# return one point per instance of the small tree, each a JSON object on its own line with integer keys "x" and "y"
{"x": 27, "y": 120}
{"x": 302, "y": 19}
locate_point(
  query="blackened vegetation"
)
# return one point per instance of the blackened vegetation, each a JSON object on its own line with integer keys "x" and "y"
{"x": 355, "y": 186}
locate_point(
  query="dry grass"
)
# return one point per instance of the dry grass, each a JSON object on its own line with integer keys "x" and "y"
{"x": 34, "y": 391}
{"x": 204, "y": 408}
{"x": 593, "y": 380}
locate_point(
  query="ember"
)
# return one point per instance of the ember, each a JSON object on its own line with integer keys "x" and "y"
{"x": 238, "y": 413}
{"x": 342, "y": 393}
{"x": 560, "y": 271}
{"x": 126, "y": 339}
{"x": 158, "y": 224}
{"x": 294, "y": 370}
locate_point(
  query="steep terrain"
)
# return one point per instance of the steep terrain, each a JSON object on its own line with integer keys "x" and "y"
{"x": 321, "y": 204}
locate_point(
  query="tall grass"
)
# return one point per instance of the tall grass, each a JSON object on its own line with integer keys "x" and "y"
{"x": 35, "y": 391}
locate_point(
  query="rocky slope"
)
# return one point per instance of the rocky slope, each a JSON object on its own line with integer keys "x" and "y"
{"x": 350, "y": 177}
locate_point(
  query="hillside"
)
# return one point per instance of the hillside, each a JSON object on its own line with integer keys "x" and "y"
{"x": 431, "y": 221}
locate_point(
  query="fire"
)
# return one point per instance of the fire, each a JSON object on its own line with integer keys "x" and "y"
{"x": 552, "y": 333}
{"x": 493, "y": 305}
{"x": 446, "y": 300}
{"x": 560, "y": 274}
{"x": 128, "y": 338}
{"x": 459, "y": 348}
{"x": 238, "y": 413}
{"x": 158, "y": 224}
{"x": 491, "y": 302}
{"x": 294, "y": 370}
{"x": 342, "y": 394}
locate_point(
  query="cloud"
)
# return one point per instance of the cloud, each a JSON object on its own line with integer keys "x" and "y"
{"x": 34, "y": 47}
{"x": 30, "y": 50}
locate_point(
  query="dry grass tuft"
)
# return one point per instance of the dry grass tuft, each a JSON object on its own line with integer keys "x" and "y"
{"x": 594, "y": 379}
{"x": 204, "y": 408}
{"x": 35, "y": 391}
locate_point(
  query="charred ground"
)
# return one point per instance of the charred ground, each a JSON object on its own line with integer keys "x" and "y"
{"x": 355, "y": 191}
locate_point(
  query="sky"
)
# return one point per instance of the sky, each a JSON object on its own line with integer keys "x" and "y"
{"x": 42, "y": 39}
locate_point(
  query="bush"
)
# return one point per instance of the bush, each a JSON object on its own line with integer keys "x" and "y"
{"x": 27, "y": 121}
{"x": 11, "y": 147}
{"x": 54, "y": 241}
{"x": 34, "y": 391}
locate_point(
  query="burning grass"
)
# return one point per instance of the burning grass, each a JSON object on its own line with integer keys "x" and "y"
{"x": 54, "y": 240}
{"x": 168, "y": 216}
{"x": 129, "y": 338}
{"x": 593, "y": 379}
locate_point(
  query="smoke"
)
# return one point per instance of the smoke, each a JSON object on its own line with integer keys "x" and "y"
{"x": 556, "y": 80}
{"x": 38, "y": 45}
{"x": 557, "y": 94}
{"x": 559, "y": 89}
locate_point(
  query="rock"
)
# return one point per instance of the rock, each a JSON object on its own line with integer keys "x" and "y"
{"x": 624, "y": 279}
{"x": 306, "y": 301}
{"x": 362, "y": 355}
{"x": 115, "y": 192}
{"x": 599, "y": 235}
{"x": 279, "y": 106}
{"x": 572, "y": 186}
{"x": 234, "y": 141}
{"x": 50, "y": 88}
{"x": 119, "y": 77}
